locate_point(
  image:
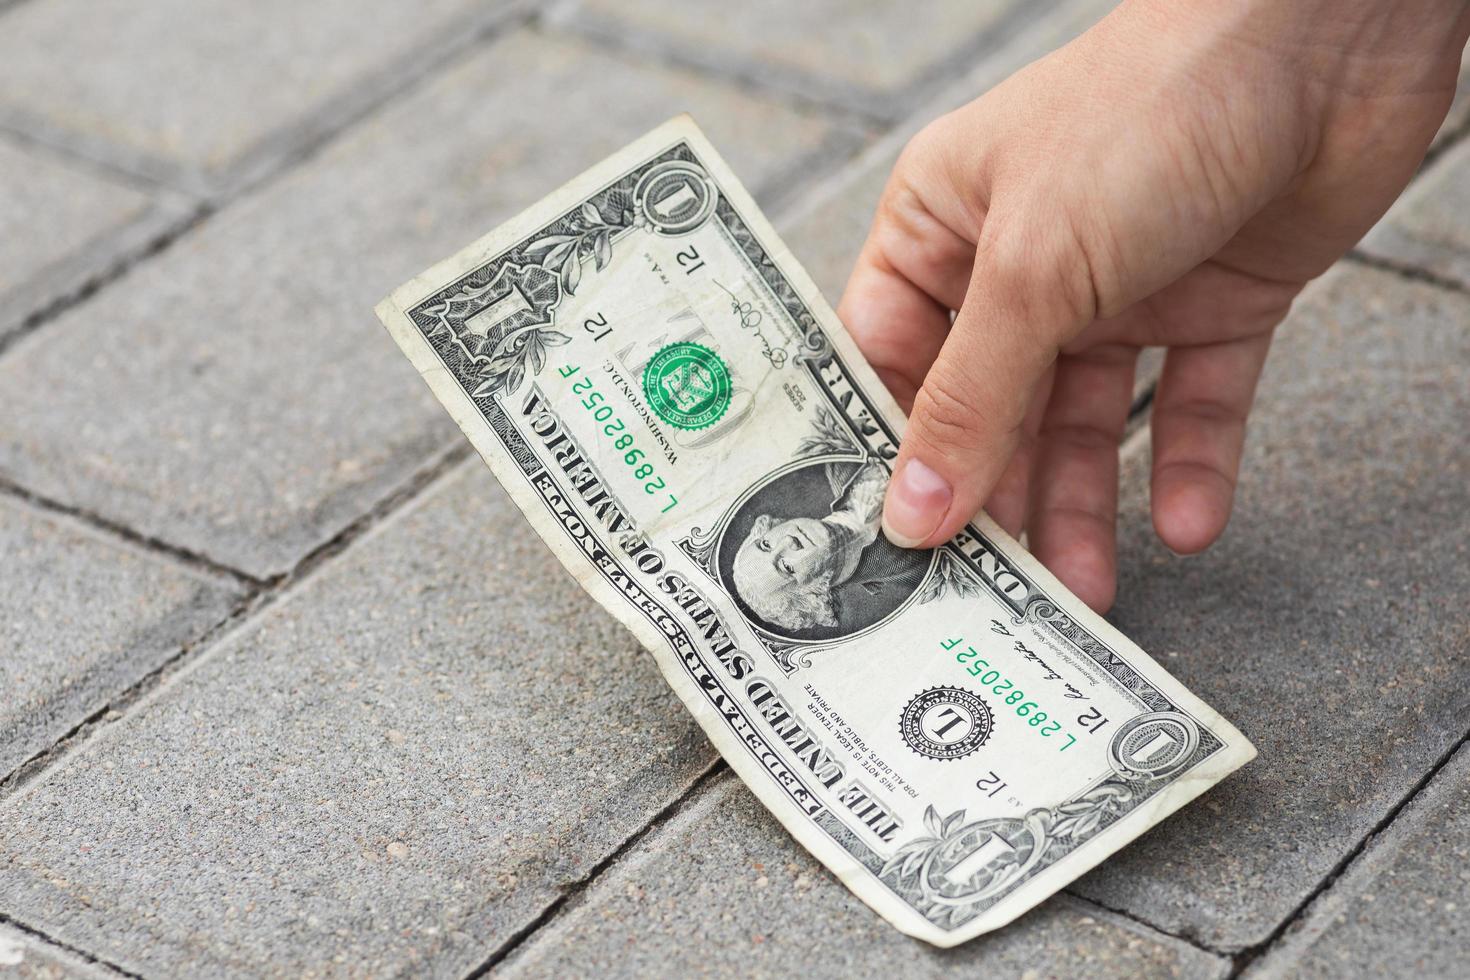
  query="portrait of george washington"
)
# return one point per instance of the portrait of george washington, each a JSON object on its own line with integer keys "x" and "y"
{"x": 806, "y": 558}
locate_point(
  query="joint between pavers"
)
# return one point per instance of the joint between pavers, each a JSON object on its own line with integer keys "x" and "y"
{"x": 489, "y": 26}
{"x": 1440, "y": 147}
{"x": 35, "y": 133}
{"x": 992, "y": 40}
{"x": 1247, "y": 957}
{"x": 574, "y": 893}
{"x": 1191, "y": 941}
{"x": 802, "y": 89}
{"x": 194, "y": 560}
{"x": 258, "y": 596}
{"x": 1135, "y": 427}
{"x": 106, "y": 257}
{"x": 281, "y": 148}
{"x": 787, "y": 189}
{"x": 718, "y": 773}
{"x": 44, "y": 760}
{"x": 457, "y": 451}
{"x": 1143, "y": 402}
{"x": 134, "y": 167}
{"x": 1407, "y": 271}
{"x": 31, "y": 931}
{"x": 790, "y": 88}
{"x": 194, "y": 212}
{"x": 277, "y": 155}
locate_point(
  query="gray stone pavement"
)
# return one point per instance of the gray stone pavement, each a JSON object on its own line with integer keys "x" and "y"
{"x": 388, "y": 772}
{"x": 872, "y": 57}
{"x": 65, "y": 224}
{"x": 1329, "y": 622}
{"x": 205, "y": 93}
{"x": 24, "y": 957}
{"x": 1458, "y": 120}
{"x": 85, "y": 616}
{"x": 296, "y": 416}
{"x": 1425, "y": 230}
{"x": 289, "y": 689}
{"x": 723, "y": 890}
{"x": 1400, "y": 910}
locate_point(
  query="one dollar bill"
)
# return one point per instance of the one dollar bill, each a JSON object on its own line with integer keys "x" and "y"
{"x": 661, "y": 389}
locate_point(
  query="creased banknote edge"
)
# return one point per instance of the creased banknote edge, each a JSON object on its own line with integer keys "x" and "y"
{"x": 392, "y": 312}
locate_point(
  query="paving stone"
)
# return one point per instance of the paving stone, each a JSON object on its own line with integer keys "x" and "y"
{"x": 1426, "y": 228}
{"x": 388, "y": 773}
{"x": 62, "y": 224}
{"x": 722, "y": 890}
{"x": 873, "y": 57}
{"x": 24, "y": 957}
{"x": 81, "y": 618}
{"x": 188, "y": 90}
{"x": 246, "y": 403}
{"x": 1399, "y": 910}
{"x": 1329, "y": 624}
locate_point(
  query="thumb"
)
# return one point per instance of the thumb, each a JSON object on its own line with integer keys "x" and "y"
{"x": 1021, "y": 305}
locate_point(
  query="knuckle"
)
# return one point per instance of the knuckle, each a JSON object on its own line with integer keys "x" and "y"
{"x": 1040, "y": 254}
{"x": 948, "y": 416}
{"x": 913, "y": 167}
{"x": 906, "y": 226}
{"x": 1010, "y": 255}
{"x": 1207, "y": 473}
{"x": 1083, "y": 437}
{"x": 920, "y": 164}
{"x": 921, "y": 148}
{"x": 1205, "y": 412}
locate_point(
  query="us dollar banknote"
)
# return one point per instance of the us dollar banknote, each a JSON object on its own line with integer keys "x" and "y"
{"x": 660, "y": 388}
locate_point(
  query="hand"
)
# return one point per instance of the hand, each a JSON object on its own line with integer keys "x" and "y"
{"x": 1171, "y": 178}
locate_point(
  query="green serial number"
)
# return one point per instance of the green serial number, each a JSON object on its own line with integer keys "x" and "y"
{"x": 616, "y": 430}
{"x": 978, "y": 667}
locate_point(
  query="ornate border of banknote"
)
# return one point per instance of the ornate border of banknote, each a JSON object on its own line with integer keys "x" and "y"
{"x": 480, "y": 329}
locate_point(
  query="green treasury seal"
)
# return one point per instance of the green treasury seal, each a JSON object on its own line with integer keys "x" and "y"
{"x": 687, "y": 385}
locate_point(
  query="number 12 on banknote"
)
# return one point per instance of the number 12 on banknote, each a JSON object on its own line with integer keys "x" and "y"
{"x": 660, "y": 388}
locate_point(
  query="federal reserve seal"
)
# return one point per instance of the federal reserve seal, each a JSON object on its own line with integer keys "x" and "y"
{"x": 687, "y": 385}
{"x": 945, "y": 723}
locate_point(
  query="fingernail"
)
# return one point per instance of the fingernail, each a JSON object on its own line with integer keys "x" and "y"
{"x": 918, "y": 498}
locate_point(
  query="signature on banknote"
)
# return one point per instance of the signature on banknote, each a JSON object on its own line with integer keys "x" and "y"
{"x": 750, "y": 320}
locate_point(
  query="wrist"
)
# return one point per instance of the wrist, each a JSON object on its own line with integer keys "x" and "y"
{"x": 1364, "y": 47}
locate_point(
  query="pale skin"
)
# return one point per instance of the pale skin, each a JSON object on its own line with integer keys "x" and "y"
{"x": 1172, "y": 178}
